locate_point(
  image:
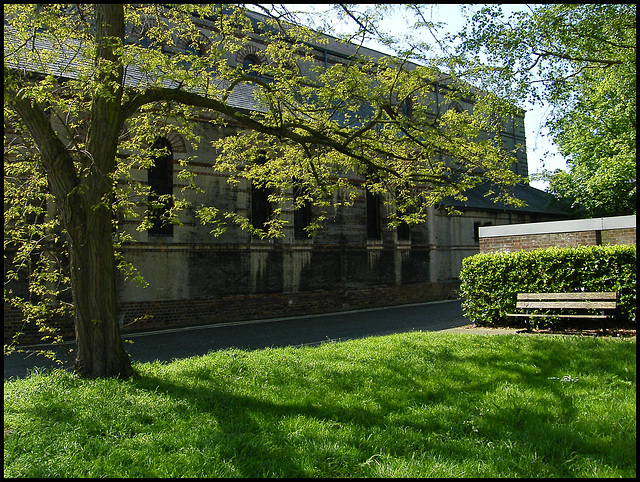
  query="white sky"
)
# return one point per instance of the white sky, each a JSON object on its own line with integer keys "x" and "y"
{"x": 541, "y": 153}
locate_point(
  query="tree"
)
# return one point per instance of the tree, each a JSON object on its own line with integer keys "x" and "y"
{"x": 581, "y": 60}
{"x": 90, "y": 88}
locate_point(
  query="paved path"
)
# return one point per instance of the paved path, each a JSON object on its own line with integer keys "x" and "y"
{"x": 167, "y": 345}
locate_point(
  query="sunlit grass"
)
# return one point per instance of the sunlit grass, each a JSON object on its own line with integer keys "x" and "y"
{"x": 407, "y": 405}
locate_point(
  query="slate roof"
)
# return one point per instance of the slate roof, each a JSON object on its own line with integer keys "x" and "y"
{"x": 538, "y": 202}
{"x": 68, "y": 64}
{"x": 332, "y": 45}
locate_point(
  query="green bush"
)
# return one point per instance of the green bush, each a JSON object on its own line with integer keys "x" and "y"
{"x": 490, "y": 282}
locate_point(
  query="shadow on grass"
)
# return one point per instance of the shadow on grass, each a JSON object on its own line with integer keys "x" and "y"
{"x": 503, "y": 410}
{"x": 418, "y": 405}
{"x": 259, "y": 437}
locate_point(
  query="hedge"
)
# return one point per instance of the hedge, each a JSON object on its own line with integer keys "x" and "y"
{"x": 491, "y": 282}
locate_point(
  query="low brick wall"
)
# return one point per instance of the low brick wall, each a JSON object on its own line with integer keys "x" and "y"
{"x": 179, "y": 313}
{"x": 582, "y": 232}
{"x": 154, "y": 315}
{"x": 619, "y": 236}
{"x": 13, "y": 323}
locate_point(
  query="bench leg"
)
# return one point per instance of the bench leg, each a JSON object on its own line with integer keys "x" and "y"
{"x": 527, "y": 327}
{"x": 604, "y": 325}
{"x": 528, "y": 323}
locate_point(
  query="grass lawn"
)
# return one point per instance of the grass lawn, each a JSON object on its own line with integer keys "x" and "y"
{"x": 407, "y": 405}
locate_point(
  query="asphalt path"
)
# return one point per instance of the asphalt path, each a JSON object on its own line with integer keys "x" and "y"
{"x": 309, "y": 330}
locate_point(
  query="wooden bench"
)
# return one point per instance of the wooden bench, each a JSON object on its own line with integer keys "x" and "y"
{"x": 553, "y": 305}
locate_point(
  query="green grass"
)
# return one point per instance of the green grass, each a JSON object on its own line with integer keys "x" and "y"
{"x": 407, "y": 405}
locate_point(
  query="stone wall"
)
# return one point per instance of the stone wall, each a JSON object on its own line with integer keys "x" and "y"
{"x": 581, "y": 232}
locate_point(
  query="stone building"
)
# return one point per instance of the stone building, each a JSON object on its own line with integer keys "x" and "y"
{"x": 356, "y": 261}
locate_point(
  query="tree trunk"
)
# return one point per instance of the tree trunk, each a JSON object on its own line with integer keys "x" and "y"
{"x": 84, "y": 198}
{"x": 88, "y": 221}
{"x": 100, "y": 352}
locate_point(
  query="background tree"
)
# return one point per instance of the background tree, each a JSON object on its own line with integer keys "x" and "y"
{"x": 90, "y": 88}
{"x": 581, "y": 60}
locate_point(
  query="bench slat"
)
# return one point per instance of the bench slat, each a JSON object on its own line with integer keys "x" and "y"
{"x": 589, "y": 295}
{"x": 599, "y": 305}
{"x": 552, "y": 315}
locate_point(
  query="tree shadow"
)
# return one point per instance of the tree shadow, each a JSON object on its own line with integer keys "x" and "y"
{"x": 326, "y": 418}
{"x": 526, "y": 425}
{"x": 240, "y": 424}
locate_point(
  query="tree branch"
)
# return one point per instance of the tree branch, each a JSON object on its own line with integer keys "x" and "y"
{"x": 159, "y": 94}
{"x": 56, "y": 159}
{"x": 592, "y": 60}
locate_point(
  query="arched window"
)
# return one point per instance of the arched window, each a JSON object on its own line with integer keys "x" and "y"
{"x": 248, "y": 65}
{"x": 301, "y": 215}
{"x": 374, "y": 230}
{"x": 160, "y": 177}
{"x": 373, "y": 201}
{"x": 403, "y": 231}
{"x": 260, "y": 206}
{"x": 406, "y": 107}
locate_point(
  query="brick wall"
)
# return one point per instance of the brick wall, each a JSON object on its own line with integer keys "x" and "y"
{"x": 619, "y": 236}
{"x": 516, "y": 237}
{"x": 528, "y": 242}
{"x": 13, "y": 323}
{"x": 154, "y": 315}
{"x": 192, "y": 312}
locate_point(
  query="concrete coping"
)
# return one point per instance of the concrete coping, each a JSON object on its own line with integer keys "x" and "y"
{"x": 572, "y": 225}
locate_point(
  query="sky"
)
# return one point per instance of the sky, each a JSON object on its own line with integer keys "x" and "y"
{"x": 541, "y": 153}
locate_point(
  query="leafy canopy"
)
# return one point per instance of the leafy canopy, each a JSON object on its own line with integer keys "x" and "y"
{"x": 581, "y": 60}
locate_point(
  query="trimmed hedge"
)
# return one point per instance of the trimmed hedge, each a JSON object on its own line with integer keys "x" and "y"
{"x": 491, "y": 282}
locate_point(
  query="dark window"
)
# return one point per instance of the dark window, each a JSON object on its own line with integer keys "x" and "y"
{"x": 406, "y": 108}
{"x": 161, "y": 183}
{"x": 249, "y": 63}
{"x": 373, "y": 216}
{"x": 404, "y": 233}
{"x": 301, "y": 215}
{"x": 260, "y": 206}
